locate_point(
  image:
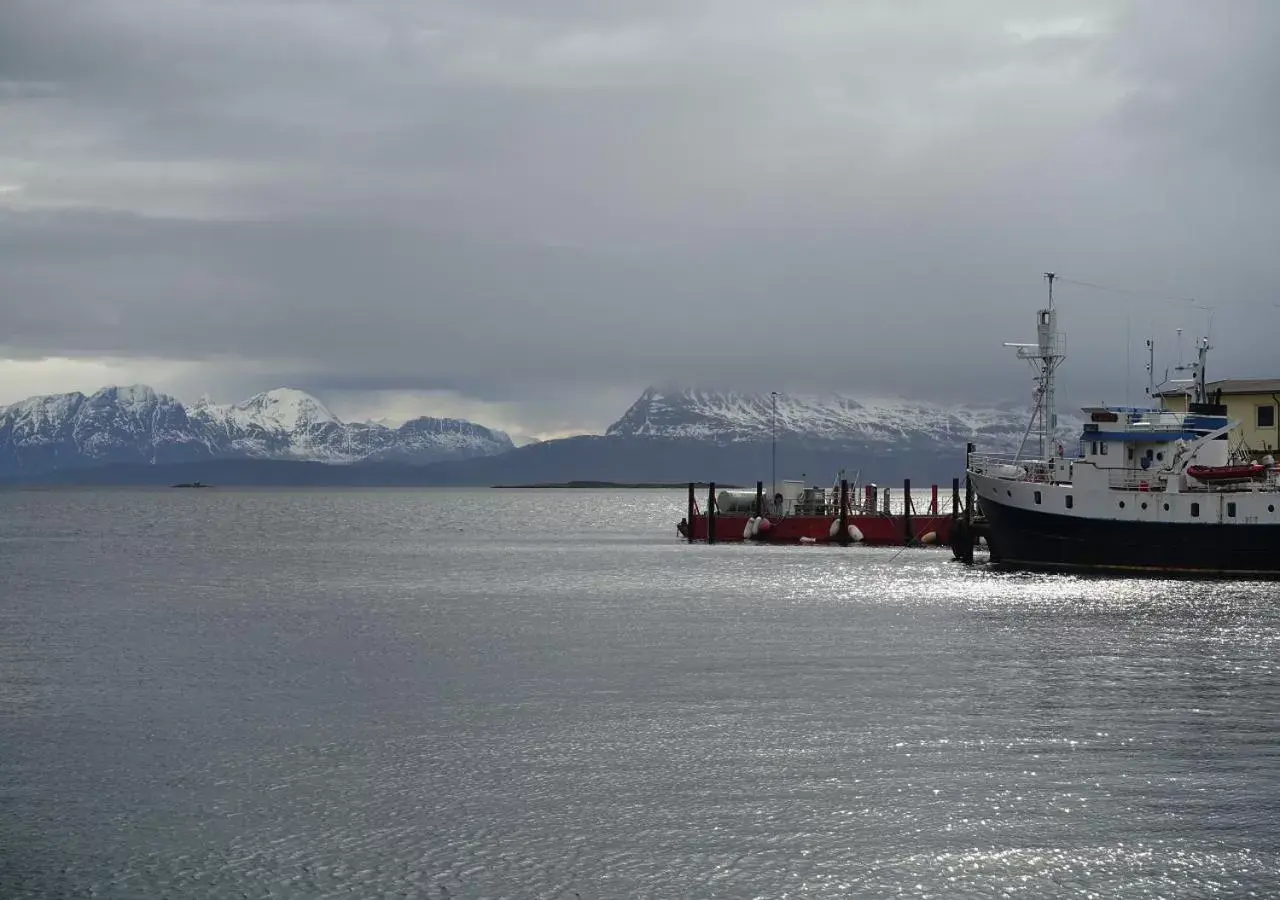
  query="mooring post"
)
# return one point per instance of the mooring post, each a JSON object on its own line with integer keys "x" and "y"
{"x": 759, "y": 499}
{"x": 933, "y": 502}
{"x": 968, "y": 505}
{"x": 711, "y": 513}
{"x": 693, "y": 506}
{"x": 909, "y": 536}
{"x": 844, "y": 513}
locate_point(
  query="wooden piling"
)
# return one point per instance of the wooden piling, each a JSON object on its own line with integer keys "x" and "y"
{"x": 933, "y": 502}
{"x": 843, "y": 534}
{"x": 908, "y": 533}
{"x": 759, "y": 499}
{"x": 711, "y": 513}
{"x": 693, "y": 506}
{"x": 967, "y": 548}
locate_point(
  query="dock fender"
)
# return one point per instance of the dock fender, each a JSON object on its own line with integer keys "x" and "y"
{"x": 834, "y": 529}
{"x": 763, "y": 525}
{"x": 929, "y": 537}
{"x": 855, "y": 533}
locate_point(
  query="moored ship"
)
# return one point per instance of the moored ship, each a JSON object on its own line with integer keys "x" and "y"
{"x": 1149, "y": 489}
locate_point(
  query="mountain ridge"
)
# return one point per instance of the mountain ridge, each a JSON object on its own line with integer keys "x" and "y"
{"x": 737, "y": 417}
{"x": 665, "y": 435}
{"x": 135, "y": 423}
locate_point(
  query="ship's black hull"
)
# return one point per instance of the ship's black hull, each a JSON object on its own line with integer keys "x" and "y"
{"x": 1028, "y": 539}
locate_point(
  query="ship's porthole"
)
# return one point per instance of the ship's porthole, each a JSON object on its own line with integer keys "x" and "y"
{"x": 1010, "y": 493}
{"x": 1166, "y": 507}
{"x": 1144, "y": 506}
{"x": 1271, "y": 508}
{"x": 1122, "y": 504}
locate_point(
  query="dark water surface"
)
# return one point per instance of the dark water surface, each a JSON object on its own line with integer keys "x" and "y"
{"x": 544, "y": 694}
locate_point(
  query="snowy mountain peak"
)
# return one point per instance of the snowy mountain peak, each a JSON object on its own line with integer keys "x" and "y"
{"x": 285, "y": 409}
{"x": 131, "y": 397}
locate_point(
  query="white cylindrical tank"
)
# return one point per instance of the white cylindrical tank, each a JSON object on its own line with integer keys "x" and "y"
{"x": 736, "y": 502}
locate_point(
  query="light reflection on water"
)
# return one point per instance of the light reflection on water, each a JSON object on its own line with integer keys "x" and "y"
{"x": 484, "y": 694}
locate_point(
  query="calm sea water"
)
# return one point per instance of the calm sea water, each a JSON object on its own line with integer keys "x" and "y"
{"x": 433, "y": 693}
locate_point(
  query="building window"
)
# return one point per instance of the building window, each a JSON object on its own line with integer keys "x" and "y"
{"x": 1231, "y": 510}
{"x": 1037, "y": 497}
{"x": 1195, "y": 510}
{"x": 1093, "y": 448}
{"x": 1104, "y": 447}
{"x": 1266, "y": 417}
{"x": 1070, "y": 501}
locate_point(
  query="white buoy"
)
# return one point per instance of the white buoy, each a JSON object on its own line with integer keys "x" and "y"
{"x": 746, "y": 530}
{"x": 855, "y": 534}
{"x": 834, "y": 529}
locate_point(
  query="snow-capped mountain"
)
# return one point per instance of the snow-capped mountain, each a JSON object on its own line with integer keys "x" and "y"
{"x": 136, "y": 424}
{"x": 727, "y": 417}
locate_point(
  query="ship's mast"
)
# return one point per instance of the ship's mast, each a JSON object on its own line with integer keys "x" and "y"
{"x": 1202, "y": 353}
{"x": 1151, "y": 370}
{"x": 1199, "y": 390}
{"x": 1045, "y": 355}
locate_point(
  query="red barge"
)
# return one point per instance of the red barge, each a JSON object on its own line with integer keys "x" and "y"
{"x": 796, "y": 514}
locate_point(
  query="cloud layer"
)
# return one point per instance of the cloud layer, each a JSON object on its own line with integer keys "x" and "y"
{"x": 534, "y": 209}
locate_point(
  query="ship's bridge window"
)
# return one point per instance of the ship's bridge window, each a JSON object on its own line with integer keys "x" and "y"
{"x": 1130, "y": 453}
{"x": 1093, "y": 448}
{"x": 1037, "y": 497}
{"x": 1231, "y": 510}
{"x": 1103, "y": 447}
{"x": 1195, "y": 510}
{"x": 1070, "y": 501}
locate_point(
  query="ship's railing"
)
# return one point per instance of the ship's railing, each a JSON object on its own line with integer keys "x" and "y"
{"x": 1012, "y": 468}
{"x": 1133, "y": 480}
{"x": 1138, "y": 480}
{"x": 1156, "y": 422}
{"x": 882, "y": 501}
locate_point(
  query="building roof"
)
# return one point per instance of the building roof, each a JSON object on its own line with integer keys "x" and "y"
{"x": 1236, "y": 386}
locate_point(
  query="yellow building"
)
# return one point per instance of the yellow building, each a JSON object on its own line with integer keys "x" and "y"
{"x": 1252, "y": 402}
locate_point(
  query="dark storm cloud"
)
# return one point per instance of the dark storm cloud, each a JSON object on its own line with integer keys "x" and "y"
{"x": 510, "y": 200}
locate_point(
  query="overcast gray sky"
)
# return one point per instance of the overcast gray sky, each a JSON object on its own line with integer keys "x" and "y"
{"x": 524, "y": 211}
